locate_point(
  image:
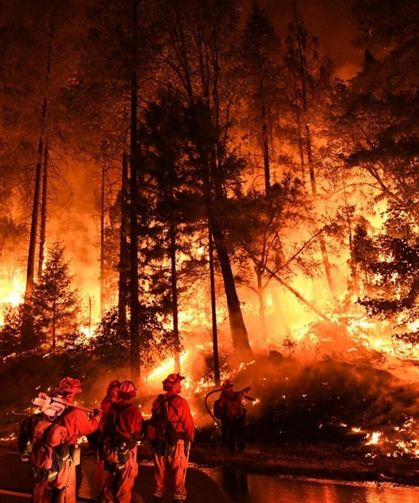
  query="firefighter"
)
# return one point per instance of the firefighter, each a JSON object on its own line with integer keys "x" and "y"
{"x": 171, "y": 432}
{"x": 121, "y": 431}
{"x": 55, "y": 451}
{"x": 77, "y": 424}
{"x": 111, "y": 397}
{"x": 232, "y": 415}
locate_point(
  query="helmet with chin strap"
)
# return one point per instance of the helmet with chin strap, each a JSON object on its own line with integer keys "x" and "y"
{"x": 171, "y": 380}
{"x": 127, "y": 390}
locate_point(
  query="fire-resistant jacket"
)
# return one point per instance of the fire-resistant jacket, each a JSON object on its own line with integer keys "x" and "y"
{"x": 178, "y": 413}
{"x": 105, "y": 407}
{"x": 123, "y": 419}
{"x": 78, "y": 424}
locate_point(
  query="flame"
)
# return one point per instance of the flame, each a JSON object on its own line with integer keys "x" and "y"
{"x": 12, "y": 294}
{"x": 165, "y": 368}
{"x": 373, "y": 438}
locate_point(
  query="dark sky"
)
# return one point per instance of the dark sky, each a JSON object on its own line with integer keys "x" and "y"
{"x": 329, "y": 20}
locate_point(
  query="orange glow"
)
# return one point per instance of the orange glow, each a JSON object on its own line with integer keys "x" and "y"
{"x": 12, "y": 293}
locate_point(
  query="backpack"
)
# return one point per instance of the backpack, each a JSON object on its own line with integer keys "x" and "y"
{"x": 116, "y": 449}
{"x": 50, "y": 451}
{"x": 25, "y": 436}
{"x": 160, "y": 430}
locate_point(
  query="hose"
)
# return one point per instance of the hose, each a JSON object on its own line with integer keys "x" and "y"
{"x": 218, "y": 390}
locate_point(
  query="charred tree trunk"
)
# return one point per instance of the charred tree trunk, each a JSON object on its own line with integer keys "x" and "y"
{"x": 30, "y": 272}
{"x": 300, "y": 140}
{"x": 134, "y": 159}
{"x": 124, "y": 256}
{"x": 306, "y": 302}
{"x": 265, "y": 143}
{"x": 353, "y": 286}
{"x": 238, "y": 329}
{"x": 325, "y": 256}
{"x": 215, "y": 354}
{"x": 54, "y": 317}
{"x": 43, "y": 226}
{"x": 308, "y": 144}
{"x": 173, "y": 277}
{"x": 29, "y": 338}
{"x": 102, "y": 240}
{"x": 261, "y": 299}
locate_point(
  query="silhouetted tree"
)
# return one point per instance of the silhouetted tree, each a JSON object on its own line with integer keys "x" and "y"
{"x": 55, "y": 304}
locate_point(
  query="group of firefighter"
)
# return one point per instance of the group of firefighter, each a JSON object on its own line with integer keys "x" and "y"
{"x": 49, "y": 439}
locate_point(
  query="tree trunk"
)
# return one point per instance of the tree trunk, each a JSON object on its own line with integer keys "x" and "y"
{"x": 43, "y": 226}
{"x": 124, "y": 257}
{"x": 303, "y": 73}
{"x": 134, "y": 159}
{"x": 30, "y": 272}
{"x": 299, "y": 131}
{"x": 102, "y": 241}
{"x": 306, "y": 302}
{"x": 215, "y": 355}
{"x": 29, "y": 338}
{"x": 353, "y": 283}
{"x": 173, "y": 277}
{"x": 238, "y": 329}
{"x": 261, "y": 299}
{"x": 54, "y": 316}
{"x": 325, "y": 256}
{"x": 265, "y": 144}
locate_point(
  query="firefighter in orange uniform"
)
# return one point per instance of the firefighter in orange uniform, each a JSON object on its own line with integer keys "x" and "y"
{"x": 233, "y": 416}
{"x": 121, "y": 431}
{"x": 77, "y": 423}
{"x": 57, "y": 435}
{"x": 111, "y": 397}
{"x": 171, "y": 433}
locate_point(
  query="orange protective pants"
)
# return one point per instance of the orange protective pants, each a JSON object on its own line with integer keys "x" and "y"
{"x": 61, "y": 490}
{"x": 176, "y": 462}
{"x": 119, "y": 486}
{"x": 101, "y": 475}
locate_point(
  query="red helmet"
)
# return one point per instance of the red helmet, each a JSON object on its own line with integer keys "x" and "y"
{"x": 116, "y": 383}
{"x": 68, "y": 386}
{"x": 127, "y": 390}
{"x": 171, "y": 380}
{"x": 227, "y": 384}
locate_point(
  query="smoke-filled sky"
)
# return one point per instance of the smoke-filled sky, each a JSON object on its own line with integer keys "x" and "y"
{"x": 329, "y": 20}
